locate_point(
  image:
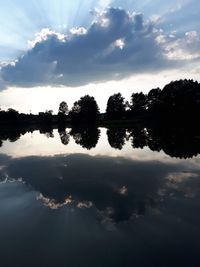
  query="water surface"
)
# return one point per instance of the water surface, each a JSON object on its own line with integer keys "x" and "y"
{"x": 99, "y": 197}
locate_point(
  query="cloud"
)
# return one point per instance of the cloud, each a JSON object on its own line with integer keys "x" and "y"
{"x": 184, "y": 48}
{"x": 116, "y": 45}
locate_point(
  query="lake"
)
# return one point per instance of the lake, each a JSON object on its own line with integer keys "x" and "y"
{"x": 98, "y": 197}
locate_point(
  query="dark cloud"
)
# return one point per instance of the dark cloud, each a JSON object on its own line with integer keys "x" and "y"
{"x": 116, "y": 45}
{"x": 106, "y": 182}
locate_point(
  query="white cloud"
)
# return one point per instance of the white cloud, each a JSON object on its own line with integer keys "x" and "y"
{"x": 120, "y": 43}
{"x": 43, "y": 35}
{"x": 184, "y": 48}
{"x": 78, "y": 31}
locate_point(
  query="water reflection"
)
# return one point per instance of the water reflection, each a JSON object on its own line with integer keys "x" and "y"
{"x": 139, "y": 137}
{"x": 86, "y": 137}
{"x": 116, "y": 137}
{"x": 179, "y": 142}
{"x": 107, "y": 200}
{"x": 64, "y": 135}
{"x": 118, "y": 188}
{"x": 47, "y": 130}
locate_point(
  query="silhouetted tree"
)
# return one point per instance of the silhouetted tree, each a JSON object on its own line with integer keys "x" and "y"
{"x": 46, "y": 117}
{"x": 62, "y": 112}
{"x": 115, "y": 107}
{"x": 11, "y": 115}
{"x": 181, "y": 98}
{"x": 63, "y": 108}
{"x": 50, "y": 112}
{"x": 154, "y": 100}
{"x": 13, "y": 111}
{"x": 138, "y": 103}
{"x": 85, "y": 110}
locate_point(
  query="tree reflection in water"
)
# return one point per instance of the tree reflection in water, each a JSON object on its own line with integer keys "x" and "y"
{"x": 86, "y": 137}
{"x": 180, "y": 141}
{"x": 64, "y": 135}
{"x": 116, "y": 137}
{"x": 176, "y": 141}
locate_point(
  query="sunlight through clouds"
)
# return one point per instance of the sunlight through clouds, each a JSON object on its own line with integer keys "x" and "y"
{"x": 53, "y": 23}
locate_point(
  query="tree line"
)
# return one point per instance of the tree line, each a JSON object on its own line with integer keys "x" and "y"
{"x": 177, "y": 99}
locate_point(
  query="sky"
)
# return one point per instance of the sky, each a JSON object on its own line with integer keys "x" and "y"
{"x": 58, "y": 50}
